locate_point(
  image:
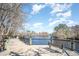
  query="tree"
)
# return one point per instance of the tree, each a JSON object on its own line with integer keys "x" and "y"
{"x": 65, "y": 32}
{"x": 76, "y": 31}
{"x": 62, "y": 31}
{"x": 61, "y": 26}
{"x": 10, "y": 18}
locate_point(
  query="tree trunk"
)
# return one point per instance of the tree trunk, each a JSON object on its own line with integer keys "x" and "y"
{"x": 2, "y": 43}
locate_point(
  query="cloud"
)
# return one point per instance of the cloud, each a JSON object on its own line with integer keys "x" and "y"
{"x": 36, "y": 8}
{"x": 59, "y": 14}
{"x": 62, "y": 20}
{"x": 58, "y": 7}
{"x": 56, "y": 22}
{"x": 65, "y": 14}
{"x": 50, "y": 19}
{"x": 37, "y": 25}
{"x": 71, "y": 23}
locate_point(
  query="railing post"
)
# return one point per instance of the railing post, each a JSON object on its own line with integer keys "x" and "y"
{"x": 72, "y": 45}
{"x": 50, "y": 42}
{"x": 62, "y": 47}
{"x": 30, "y": 41}
{"x": 49, "y": 45}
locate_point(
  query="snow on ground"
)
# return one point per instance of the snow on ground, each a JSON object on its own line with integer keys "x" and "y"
{"x": 17, "y": 47}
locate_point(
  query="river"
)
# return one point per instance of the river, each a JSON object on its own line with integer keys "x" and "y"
{"x": 40, "y": 41}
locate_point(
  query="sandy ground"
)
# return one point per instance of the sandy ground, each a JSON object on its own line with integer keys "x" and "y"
{"x": 17, "y": 47}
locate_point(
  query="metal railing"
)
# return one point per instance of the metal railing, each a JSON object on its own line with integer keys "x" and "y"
{"x": 71, "y": 42}
{"x": 67, "y": 44}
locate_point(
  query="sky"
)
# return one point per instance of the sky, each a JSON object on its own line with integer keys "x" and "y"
{"x": 43, "y": 17}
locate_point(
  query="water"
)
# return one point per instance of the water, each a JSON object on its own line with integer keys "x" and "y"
{"x": 40, "y": 41}
{"x": 44, "y": 41}
{"x": 77, "y": 47}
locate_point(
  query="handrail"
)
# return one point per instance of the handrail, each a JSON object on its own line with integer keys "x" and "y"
{"x": 65, "y": 52}
{"x": 67, "y": 40}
